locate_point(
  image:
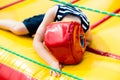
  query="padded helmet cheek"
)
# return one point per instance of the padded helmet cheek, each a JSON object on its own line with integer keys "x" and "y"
{"x": 66, "y": 41}
{"x": 82, "y": 39}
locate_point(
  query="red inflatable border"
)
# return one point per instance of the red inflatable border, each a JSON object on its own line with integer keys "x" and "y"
{"x": 7, "y": 73}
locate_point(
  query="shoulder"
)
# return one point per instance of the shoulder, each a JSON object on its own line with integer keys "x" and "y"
{"x": 53, "y": 9}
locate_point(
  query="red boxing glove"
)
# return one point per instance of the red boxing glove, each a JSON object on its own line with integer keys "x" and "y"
{"x": 66, "y": 41}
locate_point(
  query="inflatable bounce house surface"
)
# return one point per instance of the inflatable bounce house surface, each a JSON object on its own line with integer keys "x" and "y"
{"x": 19, "y": 61}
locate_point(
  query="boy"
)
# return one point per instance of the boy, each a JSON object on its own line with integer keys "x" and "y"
{"x": 37, "y": 25}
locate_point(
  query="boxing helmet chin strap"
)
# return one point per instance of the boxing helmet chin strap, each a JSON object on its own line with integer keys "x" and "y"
{"x": 102, "y": 53}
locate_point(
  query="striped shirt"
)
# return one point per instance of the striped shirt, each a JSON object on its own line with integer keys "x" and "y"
{"x": 63, "y": 10}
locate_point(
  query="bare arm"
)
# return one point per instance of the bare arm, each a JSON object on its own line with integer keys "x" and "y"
{"x": 88, "y": 37}
{"x": 39, "y": 36}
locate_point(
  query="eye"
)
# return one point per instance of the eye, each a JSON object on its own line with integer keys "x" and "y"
{"x": 82, "y": 40}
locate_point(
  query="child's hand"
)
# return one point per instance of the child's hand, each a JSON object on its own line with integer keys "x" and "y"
{"x": 58, "y": 67}
{"x": 55, "y": 65}
{"x": 88, "y": 42}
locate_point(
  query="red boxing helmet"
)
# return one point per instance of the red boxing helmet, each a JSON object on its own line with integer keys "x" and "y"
{"x": 66, "y": 41}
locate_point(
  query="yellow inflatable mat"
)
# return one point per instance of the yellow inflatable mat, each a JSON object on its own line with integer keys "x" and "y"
{"x": 19, "y": 61}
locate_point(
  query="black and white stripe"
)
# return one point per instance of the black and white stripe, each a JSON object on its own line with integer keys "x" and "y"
{"x": 63, "y": 10}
